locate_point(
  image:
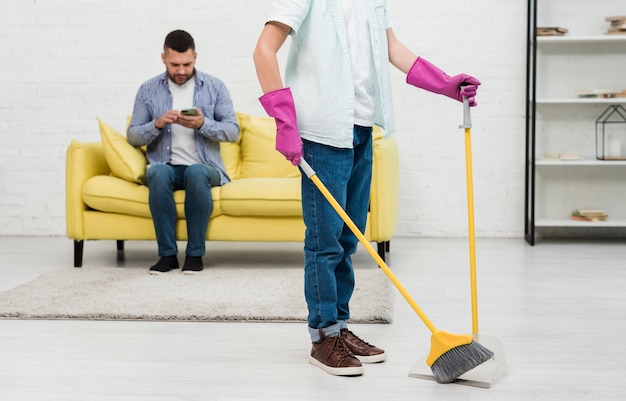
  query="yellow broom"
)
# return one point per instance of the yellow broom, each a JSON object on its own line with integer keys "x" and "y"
{"x": 451, "y": 355}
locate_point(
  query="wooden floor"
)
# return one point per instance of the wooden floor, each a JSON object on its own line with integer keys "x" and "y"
{"x": 558, "y": 307}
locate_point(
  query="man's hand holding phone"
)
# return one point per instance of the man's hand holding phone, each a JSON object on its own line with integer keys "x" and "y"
{"x": 191, "y": 118}
{"x": 167, "y": 118}
{"x": 189, "y": 112}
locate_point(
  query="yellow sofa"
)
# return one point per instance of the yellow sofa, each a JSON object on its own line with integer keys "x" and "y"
{"x": 261, "y": 203}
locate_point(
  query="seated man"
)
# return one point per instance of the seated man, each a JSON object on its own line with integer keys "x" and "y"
{"x": 182, "y": 115}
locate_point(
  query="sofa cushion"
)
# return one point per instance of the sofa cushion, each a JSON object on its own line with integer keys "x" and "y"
{"x": 116, "y": 195}
{"x": 124, "y": 160}
{"x": 259, "y": 158}
{"x": 277, "y": 197}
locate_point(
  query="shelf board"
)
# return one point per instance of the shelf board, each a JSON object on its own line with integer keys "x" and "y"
{"x": 581, "y": 163}
{"x": 581, "y": 39}
{"x": 565, "y": 222}
{"x": 575, "y": 100}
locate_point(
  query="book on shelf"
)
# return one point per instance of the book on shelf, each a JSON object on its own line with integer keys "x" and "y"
{"x": 563, "y": 156}
{"x": 615, "y": 20}
{"x": 618, "y": 25}
{"x": 597, "y": 93}
{"x": 551, "y": 31}
{"x": 589, "y": 215}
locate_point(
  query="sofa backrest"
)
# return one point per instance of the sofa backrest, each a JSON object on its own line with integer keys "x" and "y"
{"x": 254, "y": 154}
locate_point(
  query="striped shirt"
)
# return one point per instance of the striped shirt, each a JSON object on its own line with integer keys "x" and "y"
{"x": 210, "y": 96}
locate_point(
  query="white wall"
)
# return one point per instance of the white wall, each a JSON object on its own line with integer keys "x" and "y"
{"x": 64, "y": 62}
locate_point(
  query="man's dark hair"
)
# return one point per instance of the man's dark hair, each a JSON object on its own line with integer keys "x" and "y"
{"x": 179, "y": 41}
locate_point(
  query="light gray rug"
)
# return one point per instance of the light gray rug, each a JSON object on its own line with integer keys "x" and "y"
{"x": 216, "y": 294}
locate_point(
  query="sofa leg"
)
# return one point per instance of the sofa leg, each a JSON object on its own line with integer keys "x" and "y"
{"x": 381, "y": 250}
{"x": 120, "y": 252}
{"x": 387, "y": 244}
{"x": 78, "y": 253}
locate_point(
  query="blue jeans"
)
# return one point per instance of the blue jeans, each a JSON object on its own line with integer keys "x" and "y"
{"x": 196, "y": 180}
{"x": 329, "y": 243}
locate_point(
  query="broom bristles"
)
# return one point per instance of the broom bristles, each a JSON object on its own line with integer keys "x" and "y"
{"x": 458, "y": 360}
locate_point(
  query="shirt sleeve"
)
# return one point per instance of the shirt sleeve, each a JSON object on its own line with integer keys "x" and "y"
{"x": 289, "y": 12}
{"x": 141, "y": 130}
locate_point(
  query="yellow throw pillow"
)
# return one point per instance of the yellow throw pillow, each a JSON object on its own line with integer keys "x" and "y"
{"x": 125, "y": 161}
{"x": 259, "y": 157}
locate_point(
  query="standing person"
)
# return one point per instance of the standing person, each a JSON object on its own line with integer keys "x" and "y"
{"x": 182, "y": 115}
{"x": 337, "y": 87}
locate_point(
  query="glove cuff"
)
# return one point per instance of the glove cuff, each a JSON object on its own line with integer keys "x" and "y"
{"x": 427, "y": 76}
{"x": 277, "y": 100}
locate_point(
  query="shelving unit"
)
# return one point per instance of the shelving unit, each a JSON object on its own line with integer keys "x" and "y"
{"x": 558, "y": 121}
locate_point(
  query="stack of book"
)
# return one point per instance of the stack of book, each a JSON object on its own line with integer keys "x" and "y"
{"x": 598, "y": 93}
{"x": 563, "y": 156}
{"x": 589, "y": 215}
{"x": 551, "y": 31}
{"x": 618, "y": 25}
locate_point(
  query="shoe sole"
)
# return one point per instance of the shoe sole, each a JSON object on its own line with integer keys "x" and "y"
{"x": 191, "y": 272}
{"x": 351, "y": 371}
{"x": 372, "y": 358}
{"x": 156, "y": 272}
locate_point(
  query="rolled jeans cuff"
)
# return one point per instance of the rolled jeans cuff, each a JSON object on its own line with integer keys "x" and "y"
{"x": 330, "y": 331}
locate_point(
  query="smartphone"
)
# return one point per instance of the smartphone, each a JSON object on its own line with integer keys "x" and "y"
{"x": 189, "y": 112}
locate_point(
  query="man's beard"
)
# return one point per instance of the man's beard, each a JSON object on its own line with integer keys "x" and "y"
{"x": 180, "y": 79}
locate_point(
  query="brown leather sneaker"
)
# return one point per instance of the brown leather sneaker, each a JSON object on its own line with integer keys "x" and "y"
{"x": 366, "y": 353}
{"x": 333, "y": 356}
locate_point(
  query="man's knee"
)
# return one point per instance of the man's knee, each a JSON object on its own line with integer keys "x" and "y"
{"x": 200, "y": 173}
{"x": 159, "y": 174}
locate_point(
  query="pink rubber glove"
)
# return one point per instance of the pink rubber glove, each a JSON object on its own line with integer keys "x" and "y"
{"x": 279, "y": 104}
{"x": 427, "y": 76}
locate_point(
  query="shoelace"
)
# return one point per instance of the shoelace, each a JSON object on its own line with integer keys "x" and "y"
{"x": 340, "y": 348}
{"x": 357, "y": 339}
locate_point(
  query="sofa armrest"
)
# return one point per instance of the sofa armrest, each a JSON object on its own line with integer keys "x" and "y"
{"x": 83, "y": 161}
{"x": 384, "y": 190}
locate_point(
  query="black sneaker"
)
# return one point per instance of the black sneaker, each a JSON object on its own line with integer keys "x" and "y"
{"x": 365, "y": 352}
{"x": 193, "y": 265}
{"x": 164, "y": 265}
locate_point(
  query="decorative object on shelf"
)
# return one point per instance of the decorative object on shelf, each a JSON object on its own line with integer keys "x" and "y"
{"x": 551, "y": 31}
{"x": 589, "y": 215}
{"x": 618, "y": 25}
{"x": 611, "y": 134}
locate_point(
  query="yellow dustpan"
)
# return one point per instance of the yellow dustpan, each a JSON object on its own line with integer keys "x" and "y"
{"x": 487, "y": 373}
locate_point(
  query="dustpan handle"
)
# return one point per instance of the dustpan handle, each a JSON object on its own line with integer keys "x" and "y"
{"x": 467, "y": 124}
{"x": 467, "y": 116}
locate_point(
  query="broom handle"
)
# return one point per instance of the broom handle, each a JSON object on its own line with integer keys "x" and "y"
{"x": 355, "y": 230}
{"x": 467, "y": 124}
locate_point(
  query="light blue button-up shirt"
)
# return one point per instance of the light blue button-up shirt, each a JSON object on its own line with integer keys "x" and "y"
{"x": 319, "y": 70}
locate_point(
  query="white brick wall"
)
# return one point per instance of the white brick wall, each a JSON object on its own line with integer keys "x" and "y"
{"x": 65, "y": 62}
